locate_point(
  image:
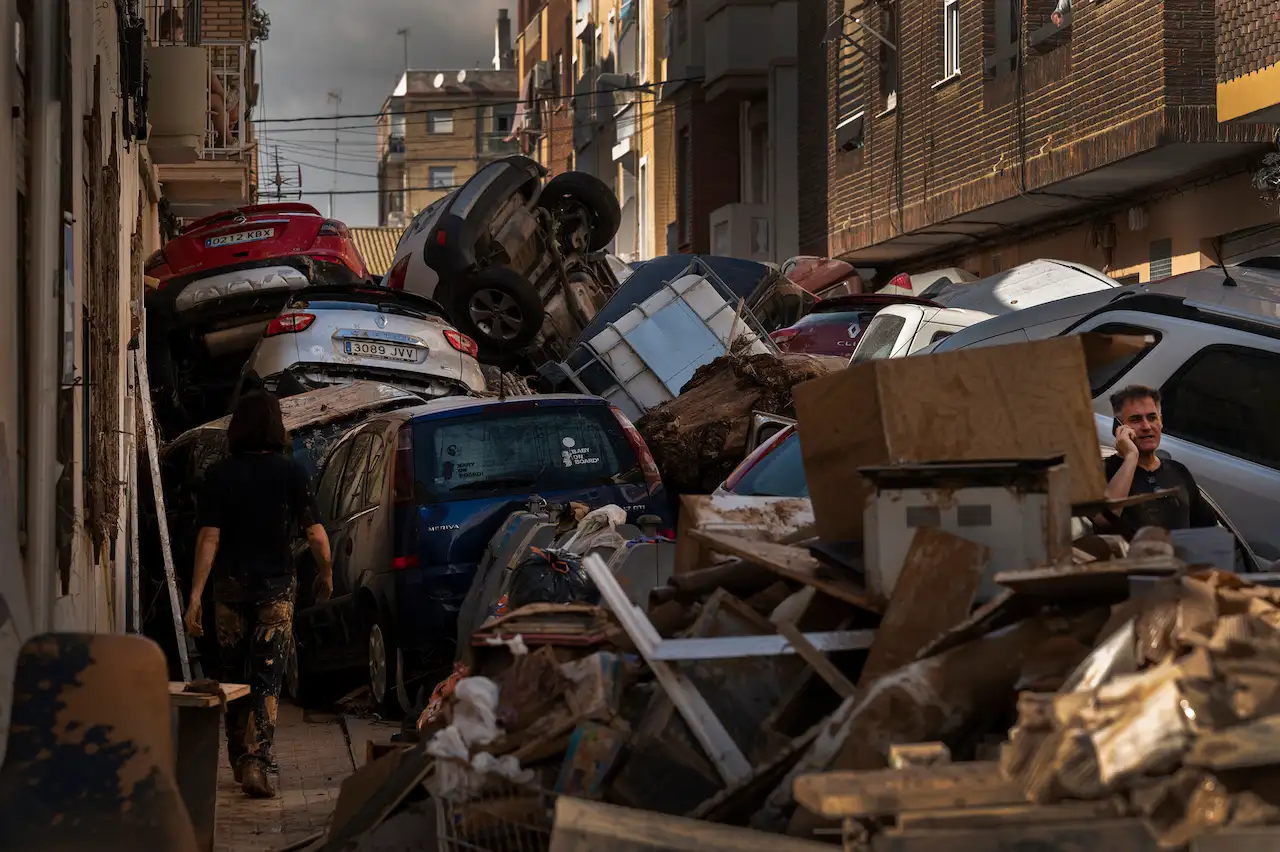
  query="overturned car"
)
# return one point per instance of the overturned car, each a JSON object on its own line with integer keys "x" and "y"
{"x": 518, "y": 265}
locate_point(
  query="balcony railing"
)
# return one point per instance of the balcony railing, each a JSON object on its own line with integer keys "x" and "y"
{"x": 532, "y": 35}
{"x": 173, "y": 23}
{"x": 395, "y": 144}
{"x": 225, "y": 133}
{"x": 496, "y": 145}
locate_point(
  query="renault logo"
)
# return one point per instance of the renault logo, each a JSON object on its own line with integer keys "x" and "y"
{"x": 381, "y": 321}
{"x": 854, "y": 330}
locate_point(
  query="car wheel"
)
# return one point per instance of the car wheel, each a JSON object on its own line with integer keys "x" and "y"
{"x": 592, "y": 195}
{"x": 498, "y": 309}
{"x": 383, "y": 658}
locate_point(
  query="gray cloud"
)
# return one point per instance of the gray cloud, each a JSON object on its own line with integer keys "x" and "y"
{"x": 318, "y": 45}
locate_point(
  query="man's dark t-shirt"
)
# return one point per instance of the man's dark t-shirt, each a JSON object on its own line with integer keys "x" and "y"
{"x": 256, "y": 501}
{"x": 1183, "y": 510}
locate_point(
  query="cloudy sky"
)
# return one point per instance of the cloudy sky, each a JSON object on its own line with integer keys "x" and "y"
{"x": 316, "y": 46}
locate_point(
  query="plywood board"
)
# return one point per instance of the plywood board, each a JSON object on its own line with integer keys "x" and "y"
{"x": 760, "y": 518}
{"x": 179, "y": 697}
{"x": 885, "y": 792}
{"x": 1028, "y": 400}
{"x": 934, "y": 593}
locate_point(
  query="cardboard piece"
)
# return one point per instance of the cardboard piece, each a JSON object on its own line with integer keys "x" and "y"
{"x": 1023, "y": 401}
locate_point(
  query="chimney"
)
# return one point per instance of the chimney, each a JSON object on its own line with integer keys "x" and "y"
{"x": 504, "y": 56}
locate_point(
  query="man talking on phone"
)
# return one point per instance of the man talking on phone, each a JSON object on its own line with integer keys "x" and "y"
{"x": 1136, "y": 469}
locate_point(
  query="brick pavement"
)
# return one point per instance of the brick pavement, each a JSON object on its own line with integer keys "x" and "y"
{"x": 314, "y": 760}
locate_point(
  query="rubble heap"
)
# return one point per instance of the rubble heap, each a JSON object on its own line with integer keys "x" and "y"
{"x": 698, "y": 438}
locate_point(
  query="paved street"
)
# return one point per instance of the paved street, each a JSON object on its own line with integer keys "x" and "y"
{"x": 314, "y": 760}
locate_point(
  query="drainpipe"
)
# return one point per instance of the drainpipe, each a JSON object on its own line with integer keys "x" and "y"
{"x": 42, "y": 315}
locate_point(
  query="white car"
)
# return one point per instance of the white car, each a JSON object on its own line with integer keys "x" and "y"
{"x": 901, "y": 330}
{"x": 333, "y": 335}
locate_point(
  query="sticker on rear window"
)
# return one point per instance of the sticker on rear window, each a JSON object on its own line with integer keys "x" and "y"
{"x": 572, "y": 455}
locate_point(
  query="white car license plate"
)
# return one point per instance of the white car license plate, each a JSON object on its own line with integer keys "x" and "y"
{"x": 385, "y": 351}
{"x": 239, "y": 237}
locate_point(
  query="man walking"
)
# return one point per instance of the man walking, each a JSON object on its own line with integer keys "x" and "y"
{"x": 1136, "y": 469}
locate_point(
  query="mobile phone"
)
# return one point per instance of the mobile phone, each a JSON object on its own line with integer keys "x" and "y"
{"x": 1115, "y": 425}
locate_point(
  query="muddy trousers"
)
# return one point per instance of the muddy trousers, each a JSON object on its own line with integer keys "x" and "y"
{"x": 254, "y": 641}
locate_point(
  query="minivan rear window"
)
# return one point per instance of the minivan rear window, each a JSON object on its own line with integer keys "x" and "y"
{"x": 510, "y": 450}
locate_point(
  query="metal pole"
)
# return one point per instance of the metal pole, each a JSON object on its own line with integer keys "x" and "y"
{"x": 335, "y": 96}
{"x": 404, "y": 34}
{"x": 42, "y": 314}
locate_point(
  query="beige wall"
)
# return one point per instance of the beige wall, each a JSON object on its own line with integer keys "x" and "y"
{"x": 1191, "y": 219}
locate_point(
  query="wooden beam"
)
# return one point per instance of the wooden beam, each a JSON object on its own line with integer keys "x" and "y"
{"x": 886, "y": 792}
{"x": 817, "y": 660}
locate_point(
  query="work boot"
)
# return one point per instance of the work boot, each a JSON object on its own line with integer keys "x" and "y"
{"x": 255, "y": 783}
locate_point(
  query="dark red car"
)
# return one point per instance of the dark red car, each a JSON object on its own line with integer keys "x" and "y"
{"x": 834, "y": 326}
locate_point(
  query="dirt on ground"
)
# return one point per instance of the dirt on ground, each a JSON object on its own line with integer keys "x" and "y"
{"x": 699, "y": 437}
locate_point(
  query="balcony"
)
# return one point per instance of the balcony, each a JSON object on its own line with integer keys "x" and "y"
{"x": 530, "y": 39}
{"x": 1252, "y": 97}
{"x": 686, "y": 48}
{"x": 496, "y": 145}
{"x": 394, "y": 152}
{"x": 742, "y": 41}
{"x": 742, "y": 230}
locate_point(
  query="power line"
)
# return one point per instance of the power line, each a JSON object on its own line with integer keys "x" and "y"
{"x": 538, "y": 100}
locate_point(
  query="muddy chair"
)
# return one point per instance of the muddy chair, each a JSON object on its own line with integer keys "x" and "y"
{"x": 89, "y": 763}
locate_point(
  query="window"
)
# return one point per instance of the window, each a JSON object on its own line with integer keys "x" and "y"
{"x": 503, "y": 119}
{"x": 940, "y": 335}
{"x": 327, "y": 491}
{"x": 1218, "y": 401}
{"x": 1103, "y": 376}
{"x": 684, "y": 185}
{"x": 440, "y": 177}
{"x": 642, "y": 210}
{"x": 778, "y": 473}
{"x": 849, "y": 92}
{"x": 440, "y": 121}
{"x": 950, "y": 38}
{"x": 889, "y": 56}
{"x": 1161, "y": 257}
{"x": 512, "y": 452}
{"x": 376, "y": 482}
{"x": 557, "y": 84}
{"x": 1008, "y": 31}
{"x": 351, "y": 486}
{"x": 395, "y": 201}
{"x": 879, "y": 339}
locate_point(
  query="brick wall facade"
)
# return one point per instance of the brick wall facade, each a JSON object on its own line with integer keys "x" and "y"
{"x": 558, "y": 114}
{"x": 817, "y": 104}
{"x": 714, "y": 163}
{"x": 1126, "y": 76}
{"x": 1248, "y": 36}
{"x": 224, "y": 20}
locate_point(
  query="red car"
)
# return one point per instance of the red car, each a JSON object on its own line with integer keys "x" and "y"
{"x": 219, "y": 284}
{"x": 834, "y": 326}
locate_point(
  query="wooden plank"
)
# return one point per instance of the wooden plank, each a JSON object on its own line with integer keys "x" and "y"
{"x": 178, "y": 697}
{"x": 710, "y": 734}
{"x": 1091, "y": 578}
{"x": 162, "y": 520}
{"x": 1002, "y": 815}
{"x": 1129, "y": 835}
{"x": 885, "y": 792}
{"x": 934, "y": 593}
{"x": 918, "y": 755}
{"x": 737, "y": 647}
{"x": 791, "y": 563}
{"x": 817, "y": 660}
{"x": 582, "y": 826}
{"x": 1246, "y": 746}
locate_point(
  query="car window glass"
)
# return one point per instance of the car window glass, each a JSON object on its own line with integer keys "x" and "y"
{"x": 327, "y": 492}
{"x": 1103, "y": 376}
{"x": 780, "y": 473}
{"x": 1219, "y": 400}
{"x": 516, "y": 451}
{"x": 879, "y": 338}
{"x": 376, "y": 479}
{"x": 351, "y": 486}
{"x": 940, "y": 335}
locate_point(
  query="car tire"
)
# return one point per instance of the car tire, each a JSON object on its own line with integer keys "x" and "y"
{"x": 594, "y": 196}
{"x": 498, "y": 309}
{"x": 383, "y": 660}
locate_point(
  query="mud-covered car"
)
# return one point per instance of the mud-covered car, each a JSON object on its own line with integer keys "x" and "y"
{"x": 519, "y": 266}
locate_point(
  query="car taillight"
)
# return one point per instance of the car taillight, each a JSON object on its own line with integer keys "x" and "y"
{"x": 289, "y": 324}
{"x": 667, "y": 533}
{"x": 156, "y": 261}
{"x": 652, "y": 477}
{"x": 442, "y": 237}
{"x": 782, "y": 335}
{"x": 461, "y": 342}
{"x": 334, "y": 228}
{"x": 397, "y": 274}
{"x": 402, "y": 490}
{"x": 403, "y": 563}
{"x": 902, "y": 280}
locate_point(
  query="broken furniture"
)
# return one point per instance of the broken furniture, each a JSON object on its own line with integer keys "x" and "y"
{"x": 196, "y": 716}
{"x": 89, "y": 762}
{"x": 1018, "y": 509}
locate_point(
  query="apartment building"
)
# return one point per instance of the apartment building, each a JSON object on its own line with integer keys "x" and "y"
{"x": 985, "y": 133}
{"x": 78, "y": 215}
{"x": 438, "y": 127}
{"x": 203, "y": 58}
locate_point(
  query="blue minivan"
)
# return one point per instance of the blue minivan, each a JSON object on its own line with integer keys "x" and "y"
{"x": 411, "y": 499}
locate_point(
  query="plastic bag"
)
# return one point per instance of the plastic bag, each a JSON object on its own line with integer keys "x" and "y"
{"x": 550, "y": 576}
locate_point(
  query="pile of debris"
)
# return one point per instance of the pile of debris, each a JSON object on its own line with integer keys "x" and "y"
{"x": 991, "y": 679}
{"x": 698, "y": 438}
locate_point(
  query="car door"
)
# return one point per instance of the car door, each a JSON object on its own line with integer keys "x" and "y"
{"x": 338, "y": 621}
{"x": 314, "y": 621}
{"x": 1217, "y": 419}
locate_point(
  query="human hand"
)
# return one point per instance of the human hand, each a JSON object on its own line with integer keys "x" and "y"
{"x": 322, "y": 589}
{"x": 1126, "y": 446}
{"x": 1057, "y": 19}
{"x": 193, "y": 621}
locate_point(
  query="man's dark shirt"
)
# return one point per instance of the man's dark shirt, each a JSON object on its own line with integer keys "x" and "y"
{"x": 256, "y": 501}
{"x": 1183, "y": 510}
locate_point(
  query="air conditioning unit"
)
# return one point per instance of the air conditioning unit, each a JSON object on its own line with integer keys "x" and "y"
{"x": 542, "y": 75}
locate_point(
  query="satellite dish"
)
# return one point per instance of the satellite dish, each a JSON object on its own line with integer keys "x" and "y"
{"x": 439, "y": 81}
{"x": 462, "y": 76}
